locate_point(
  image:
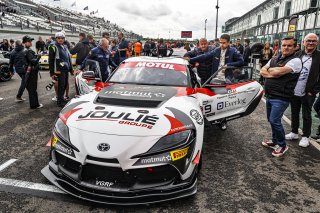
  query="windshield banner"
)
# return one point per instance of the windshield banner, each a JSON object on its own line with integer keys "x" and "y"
{"x": 160, "y": 65}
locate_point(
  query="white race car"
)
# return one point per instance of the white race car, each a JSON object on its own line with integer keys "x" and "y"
{"x": 138, "y": 137}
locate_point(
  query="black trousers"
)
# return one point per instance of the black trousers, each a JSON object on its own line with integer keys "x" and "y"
{"x": 306, "y": 102}
{"x": 62, "y": 86}
{"x": 22, "y": 84}
{"x": 32, "y": 85}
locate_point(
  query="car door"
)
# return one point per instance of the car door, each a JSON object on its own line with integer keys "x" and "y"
{"x": 222, "y": 102}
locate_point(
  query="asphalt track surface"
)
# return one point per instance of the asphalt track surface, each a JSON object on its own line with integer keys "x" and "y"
{"x": 238, "y": 174}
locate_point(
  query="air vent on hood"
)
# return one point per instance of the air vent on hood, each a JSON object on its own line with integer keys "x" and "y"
{"x": 128, "y": 102}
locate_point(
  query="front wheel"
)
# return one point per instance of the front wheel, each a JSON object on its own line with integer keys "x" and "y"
{"x": 5, "y": 74}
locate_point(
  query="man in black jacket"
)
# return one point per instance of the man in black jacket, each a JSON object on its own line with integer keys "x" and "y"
{"x": 17, "y": 64}
{"x": 26, "y": 63}
{"x": 239, "y": 46}
{"x": 203, "y": 68}
{"x": 82, "y": 50}
{"x": 306, "y": 89}
{"x": 281, "y": 74}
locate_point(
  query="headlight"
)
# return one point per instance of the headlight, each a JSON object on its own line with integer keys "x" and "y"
{"x": 62, "y": 131}
{"x": 171, "y": 141}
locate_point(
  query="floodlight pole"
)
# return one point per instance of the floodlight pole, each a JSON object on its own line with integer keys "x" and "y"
{"x": 205, "y": 28}
{"x": 217, "y": 7}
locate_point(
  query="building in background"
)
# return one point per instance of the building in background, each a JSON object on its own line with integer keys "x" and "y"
{"x": 275, "y": 19}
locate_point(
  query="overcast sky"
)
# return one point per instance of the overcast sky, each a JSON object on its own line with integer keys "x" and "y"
{"x": 159, "y": 17}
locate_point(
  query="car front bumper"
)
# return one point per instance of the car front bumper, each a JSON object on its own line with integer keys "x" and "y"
{"x": 154, "y": 194}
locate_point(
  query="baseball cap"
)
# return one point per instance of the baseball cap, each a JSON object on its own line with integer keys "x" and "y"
{"x": 27, "y": 38}
{"x": 59, "y": 34}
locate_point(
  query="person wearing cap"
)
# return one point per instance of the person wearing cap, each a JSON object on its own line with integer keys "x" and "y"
{"x": 26, "y": 62}
{"x": 60, "y": 65}
{"x": 66, "y": 42}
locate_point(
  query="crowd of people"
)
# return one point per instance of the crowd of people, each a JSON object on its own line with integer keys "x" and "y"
{"x": 290, "y": 75}
{"x": 106, "y": 51}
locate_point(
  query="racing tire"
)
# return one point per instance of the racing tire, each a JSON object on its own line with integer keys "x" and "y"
{"x": 5, "y": 74}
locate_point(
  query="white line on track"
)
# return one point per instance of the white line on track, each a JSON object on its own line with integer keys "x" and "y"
{"x": 6, "y": 164}
{"x": 288, "y": 121}
{"x": 30, "y": 185}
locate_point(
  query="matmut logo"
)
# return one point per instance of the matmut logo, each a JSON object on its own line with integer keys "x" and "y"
{"x": 178, "y": 154}
{"x": 156, "y": 65}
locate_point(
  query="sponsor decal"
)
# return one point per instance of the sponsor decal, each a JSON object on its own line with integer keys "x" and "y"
{"x": 196, "y": 116}
{"x": 124, "y": 118}
{"x": 104, "y": 183}
{"x": 220, "y": 105}
{"x": 180, "y": 128}
{"x": 103, "y": 147}
{"x": 156, "y": 65}
{"x": 157, "y": 159}
{"x": 231, "y": 91}
{"x": 54, "y": 141}
{"x": 230, "y": 104}
{"x": 178, "y": 154}
{"x": 61, "y": 147}
{"x": 136, "y": 94}
{"x": 159, "y": 65}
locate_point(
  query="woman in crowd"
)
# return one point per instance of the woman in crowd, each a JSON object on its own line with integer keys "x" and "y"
{"x": 266, "y": 55}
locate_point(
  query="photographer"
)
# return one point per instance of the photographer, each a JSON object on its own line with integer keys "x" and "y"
{"x": 60, "y": 65}
{"x": 26, "y": 63}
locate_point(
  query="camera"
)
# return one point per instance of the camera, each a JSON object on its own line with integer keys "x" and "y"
{"x": 50, "y": 85}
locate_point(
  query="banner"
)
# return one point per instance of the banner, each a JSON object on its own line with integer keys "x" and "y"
{"x": 186, "y": 34}
{"x": 292, "y": 26}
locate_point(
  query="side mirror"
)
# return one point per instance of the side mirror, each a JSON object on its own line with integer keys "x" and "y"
{"x": 90, "y": 75}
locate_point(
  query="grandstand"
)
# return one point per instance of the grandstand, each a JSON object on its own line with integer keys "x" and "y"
{"x": 38, "y": 18}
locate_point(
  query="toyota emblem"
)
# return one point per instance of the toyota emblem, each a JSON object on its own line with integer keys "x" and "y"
{"x": 103, "y": 147}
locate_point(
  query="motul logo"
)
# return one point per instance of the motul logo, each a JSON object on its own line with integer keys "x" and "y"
{"x": 155, "y": 65}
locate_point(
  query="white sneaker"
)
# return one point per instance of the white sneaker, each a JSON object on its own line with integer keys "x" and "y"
{"x": 292, "y": 136}
{"x": 54, "y": 98}
{"x": 40, "y": 106}
{"x": 304, "y": 142}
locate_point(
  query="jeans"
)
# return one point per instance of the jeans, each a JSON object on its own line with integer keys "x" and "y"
{"x": 22, "y": 84}
{"x": 275, "y": 110}
{"x": 306, "y": 102}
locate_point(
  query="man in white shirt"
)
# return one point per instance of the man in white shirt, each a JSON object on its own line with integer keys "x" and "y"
{"x": 306, "y": 89}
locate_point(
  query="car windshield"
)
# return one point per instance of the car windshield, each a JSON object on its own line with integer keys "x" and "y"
{"x": 151, "y": 73}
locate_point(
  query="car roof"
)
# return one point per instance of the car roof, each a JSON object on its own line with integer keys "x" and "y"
{"x": 172, "y": 60}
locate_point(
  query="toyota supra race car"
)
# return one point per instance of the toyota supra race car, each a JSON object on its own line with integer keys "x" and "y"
{"x": 137, "y": 138}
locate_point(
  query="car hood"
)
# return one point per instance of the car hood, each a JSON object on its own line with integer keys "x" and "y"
{"x": 132, "y": 110}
